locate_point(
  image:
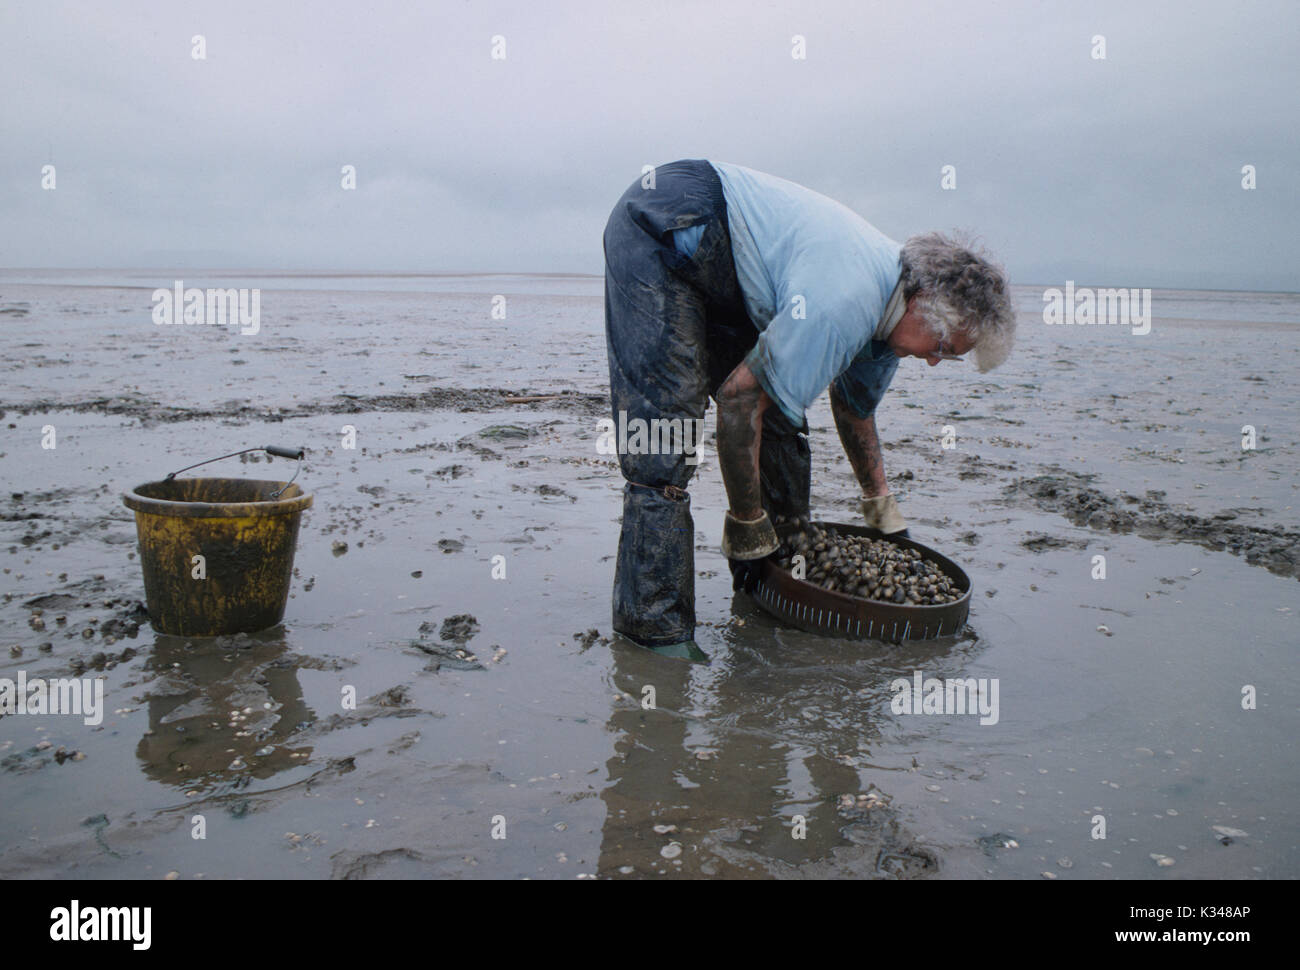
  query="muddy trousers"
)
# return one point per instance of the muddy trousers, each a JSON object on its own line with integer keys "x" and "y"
{"x": 676, "y": 327}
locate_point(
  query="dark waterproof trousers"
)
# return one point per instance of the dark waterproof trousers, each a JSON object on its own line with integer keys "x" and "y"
{"x": 676, "y": 327}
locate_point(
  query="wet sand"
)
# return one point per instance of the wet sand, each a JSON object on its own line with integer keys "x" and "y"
{"x": 1119, "y": 698}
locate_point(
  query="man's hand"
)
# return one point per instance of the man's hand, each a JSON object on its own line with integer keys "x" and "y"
{"x": 882, "y": 512}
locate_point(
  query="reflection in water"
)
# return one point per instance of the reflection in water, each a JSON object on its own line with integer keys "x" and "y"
{"x": 730, "y": 754}
{"x": 222, "y": 710}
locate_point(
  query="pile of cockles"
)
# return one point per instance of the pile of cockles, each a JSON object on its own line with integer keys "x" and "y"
{"x": 873, "y": 569}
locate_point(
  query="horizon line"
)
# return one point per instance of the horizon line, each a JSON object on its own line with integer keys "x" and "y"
{"x": 415, "y": 274}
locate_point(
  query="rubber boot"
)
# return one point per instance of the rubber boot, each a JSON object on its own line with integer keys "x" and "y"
{"x": 654, "y": 574}
{"x": 683, "y": 650}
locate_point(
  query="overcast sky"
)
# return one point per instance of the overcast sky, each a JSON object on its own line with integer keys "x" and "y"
{"x": 1125, "y": 171}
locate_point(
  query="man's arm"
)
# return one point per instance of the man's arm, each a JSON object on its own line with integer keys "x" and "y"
{"x": 862, "y": 445}
{"x": 741, "y": 403}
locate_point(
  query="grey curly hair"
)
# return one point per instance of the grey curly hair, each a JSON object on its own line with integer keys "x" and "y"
{"x": 960, "y": 288}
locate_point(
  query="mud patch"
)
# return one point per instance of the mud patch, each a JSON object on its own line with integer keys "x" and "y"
{"x": 1073, "y": 496}
{"x": 1042, "y": 542}
{"x": 506, "y": 432}
{"x": 349, "y": 864}
{"x": 458, "y": 629}
{"x": 550, "y": 491}
{"x": 77, "y": 611}
{"x": 456, "y": 632}
{"x": 878, "y": 844}
{"x": 399, "y": 696}
{"x": 585, "y": 640}
{"x": 440, "y": 398}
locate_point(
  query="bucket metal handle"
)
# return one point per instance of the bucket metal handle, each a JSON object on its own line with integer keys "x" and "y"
{"x": 279, "y": 452}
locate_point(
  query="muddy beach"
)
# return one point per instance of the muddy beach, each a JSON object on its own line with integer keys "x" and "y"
{"x": 455, "y": 570}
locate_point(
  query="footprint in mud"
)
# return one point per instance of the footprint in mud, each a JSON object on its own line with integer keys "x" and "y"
{"x": 349, "y": 865}
{"x": 887, "y": 846}
{"x": 909, "y": 862}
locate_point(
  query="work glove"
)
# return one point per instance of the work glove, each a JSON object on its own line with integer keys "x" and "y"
{"x": 883, "y": 513}
{"x": 748, "y": 540}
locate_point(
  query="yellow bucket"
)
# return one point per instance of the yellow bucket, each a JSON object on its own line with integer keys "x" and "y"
{"x": 217, "y": 553}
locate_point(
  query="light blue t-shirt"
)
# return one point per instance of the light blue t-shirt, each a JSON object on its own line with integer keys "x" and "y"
{"x": 816, "y": 277}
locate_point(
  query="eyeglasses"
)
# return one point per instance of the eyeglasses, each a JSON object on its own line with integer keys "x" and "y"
{"x": 945, "y": 352}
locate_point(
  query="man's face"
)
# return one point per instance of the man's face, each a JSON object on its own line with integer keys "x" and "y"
{"x": 913, "y": 338}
